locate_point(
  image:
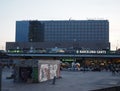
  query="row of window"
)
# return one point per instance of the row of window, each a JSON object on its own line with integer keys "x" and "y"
{"x": 78, "y": 27}
{"x": 75, "y": 23}
{"x": 87, "y": 39}
{"x": 77, "y": 38}
{"x": 76, "y": 33}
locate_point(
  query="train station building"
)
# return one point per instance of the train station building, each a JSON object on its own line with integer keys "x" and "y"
{"x": 65, "y": 34}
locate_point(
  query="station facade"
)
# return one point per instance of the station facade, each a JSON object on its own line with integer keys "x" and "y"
{"x": 65, "y": 34}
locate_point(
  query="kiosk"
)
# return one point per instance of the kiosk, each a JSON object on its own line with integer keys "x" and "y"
{"x": 35, "y": 70}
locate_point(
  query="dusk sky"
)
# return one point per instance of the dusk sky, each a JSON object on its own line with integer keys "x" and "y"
{"x": 14, "y": 10}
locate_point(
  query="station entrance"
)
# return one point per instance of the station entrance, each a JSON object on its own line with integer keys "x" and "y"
{"x": 25, "y": 74}
{"x": 94, "y": 64}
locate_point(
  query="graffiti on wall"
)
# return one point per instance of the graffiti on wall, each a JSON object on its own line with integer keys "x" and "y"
{"x": 43, "y": 72}
{"x": 53, "y": 70}
{"x": 47, "y": 71}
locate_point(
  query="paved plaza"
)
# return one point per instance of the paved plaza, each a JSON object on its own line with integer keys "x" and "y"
{"x": 70, "y": 81}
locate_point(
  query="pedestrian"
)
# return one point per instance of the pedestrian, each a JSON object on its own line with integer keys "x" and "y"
{"x": 54, "y": 80}
{"x": 113, "y": 70}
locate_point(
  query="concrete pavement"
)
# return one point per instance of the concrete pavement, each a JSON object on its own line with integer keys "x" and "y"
{"x": 70, "y": 81}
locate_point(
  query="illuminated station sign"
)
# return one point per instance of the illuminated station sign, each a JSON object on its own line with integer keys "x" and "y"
{"x": 92, "y": 51}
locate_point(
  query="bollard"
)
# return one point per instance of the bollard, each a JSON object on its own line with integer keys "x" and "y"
{"x": 54, "y": 80}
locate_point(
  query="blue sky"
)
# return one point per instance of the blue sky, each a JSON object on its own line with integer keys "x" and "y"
{"x": 13, "y": 10}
